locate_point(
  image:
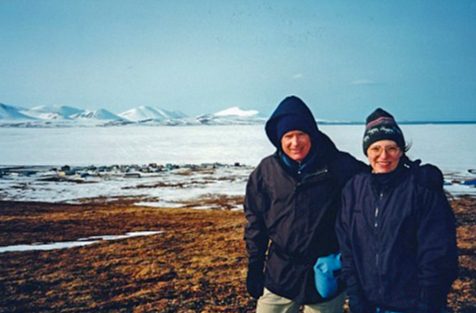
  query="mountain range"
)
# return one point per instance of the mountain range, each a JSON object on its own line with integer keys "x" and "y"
{"x": 50, "y": 116}
{"x": 68, "y": 116}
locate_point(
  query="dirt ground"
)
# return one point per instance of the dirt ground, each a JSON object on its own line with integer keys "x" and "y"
{"x": 197, "y": 263}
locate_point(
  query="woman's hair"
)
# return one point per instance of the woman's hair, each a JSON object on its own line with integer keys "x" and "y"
{"x": 407, "y": 147}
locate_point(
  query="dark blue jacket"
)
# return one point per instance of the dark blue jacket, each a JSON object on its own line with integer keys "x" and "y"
{"x": 397, "y": 237}
{"x": 290, "y": 217}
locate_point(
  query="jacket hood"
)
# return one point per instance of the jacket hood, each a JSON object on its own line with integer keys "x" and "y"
{"x": 293, "y": 105}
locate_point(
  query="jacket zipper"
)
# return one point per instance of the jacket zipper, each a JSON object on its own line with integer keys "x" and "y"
{"x": 317, "y": 173}
{"x": 377, "y": 210}
{"x": 310, "y": 176}
{"x": 377, "y": 255}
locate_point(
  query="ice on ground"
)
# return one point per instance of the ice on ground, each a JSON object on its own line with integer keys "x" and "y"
{"x": 446, "y": 146}
{"x": 190, "y": 186}
{"x": 71, "y": 244}
{"x": 173, "y": 188}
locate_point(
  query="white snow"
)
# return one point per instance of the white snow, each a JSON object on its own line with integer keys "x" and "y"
{"x": 100, "y": 114}
{"x": 236, "y": 111}
{"x": 171, "y": 114}
{"x": 446, "y": 146}
{"x": 67, "y": 116}
{"x": 133, "y": 145}
{"x": 169, "y": 189}
{"x": 44, "y": 111}
{"x": 141, "y": 113}
{"x": 71, "y": 244}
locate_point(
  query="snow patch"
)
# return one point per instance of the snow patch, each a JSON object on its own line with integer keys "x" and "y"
{"x": 100, "y": 114}
{"x": 236, "y": 111}
{"x": 71, "y": 244}
{"x": 44, "y": 111}
{"x": 144, "y": 113}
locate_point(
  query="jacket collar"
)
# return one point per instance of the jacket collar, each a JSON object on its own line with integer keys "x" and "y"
{"x": 383, "y": 182}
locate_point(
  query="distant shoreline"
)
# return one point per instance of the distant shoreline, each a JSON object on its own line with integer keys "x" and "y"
{"x": 404, "y": 123}
{"x": 72, "y": 124}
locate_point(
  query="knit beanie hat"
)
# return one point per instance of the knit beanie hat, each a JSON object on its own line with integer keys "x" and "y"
{"x": 381, "y": 125}
{"x": 291, "y": 122}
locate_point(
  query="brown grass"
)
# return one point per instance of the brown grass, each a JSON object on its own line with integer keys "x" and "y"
{"x": 196, "y": 265}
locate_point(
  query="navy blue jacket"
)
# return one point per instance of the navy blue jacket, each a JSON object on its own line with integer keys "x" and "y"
{"x": 291, "y": 218}
{"x": 397, "y": 238}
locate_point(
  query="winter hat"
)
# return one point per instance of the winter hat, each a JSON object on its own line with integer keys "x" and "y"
{"x": 380, "y": 125}
{"x": 294, "y": 114}
{"x": 291, "y": 122}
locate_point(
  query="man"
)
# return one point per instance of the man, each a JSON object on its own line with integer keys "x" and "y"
{"x": 291, "y": 203}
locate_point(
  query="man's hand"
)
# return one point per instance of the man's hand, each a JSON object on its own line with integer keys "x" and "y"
{"x": 255, "y": 279}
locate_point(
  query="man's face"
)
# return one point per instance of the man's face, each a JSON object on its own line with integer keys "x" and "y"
{"x": 296, "y": 144}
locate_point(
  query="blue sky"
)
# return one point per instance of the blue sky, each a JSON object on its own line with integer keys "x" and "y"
{"x": 416, "y": 59}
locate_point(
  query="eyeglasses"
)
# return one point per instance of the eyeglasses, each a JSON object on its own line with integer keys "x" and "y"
{"x": 378, "y": 150}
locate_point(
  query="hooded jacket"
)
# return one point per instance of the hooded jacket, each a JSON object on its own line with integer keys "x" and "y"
{"x": 291, "y": 218}
{"x": 397, "y": 237}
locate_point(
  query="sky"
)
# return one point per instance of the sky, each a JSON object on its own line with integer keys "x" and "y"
{"x": 416, "y": 59}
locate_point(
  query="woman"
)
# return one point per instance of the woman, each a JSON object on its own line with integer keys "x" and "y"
{"x": 396, "y": 229}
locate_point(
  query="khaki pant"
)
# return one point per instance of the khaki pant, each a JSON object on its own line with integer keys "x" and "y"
{"x": 272, "y": 303}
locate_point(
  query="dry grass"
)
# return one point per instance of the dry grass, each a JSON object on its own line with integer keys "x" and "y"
{"x": 196, "y": 265}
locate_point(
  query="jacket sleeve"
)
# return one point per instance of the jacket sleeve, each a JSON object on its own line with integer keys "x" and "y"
{"x": 350, "y": 166}
{"x": 256, "y": 236}
{"x": 343, "y": 222}
{"x": 437, "y": 250}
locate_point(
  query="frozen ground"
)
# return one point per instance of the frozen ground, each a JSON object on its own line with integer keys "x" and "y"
{"x": 450, "y": 147}
{"x": 173, "y": 186}
{"x": 35, "y": 152}
{"x": 186, "y": 186}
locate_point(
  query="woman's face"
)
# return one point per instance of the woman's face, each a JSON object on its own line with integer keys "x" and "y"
{"x": 384, "y": 156}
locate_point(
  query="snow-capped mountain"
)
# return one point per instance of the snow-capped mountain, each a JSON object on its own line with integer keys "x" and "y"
{"x": 101, "y": 114}
{"x": 233, "y": 115}
{"x": 171, "y": 114}
{"x": 10, "y": 112}
{"x": 146, "y": 113}
{"x": 68, "y": 116}
{"x": 237, "y": 112}
{"x": 53, "y": 112}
